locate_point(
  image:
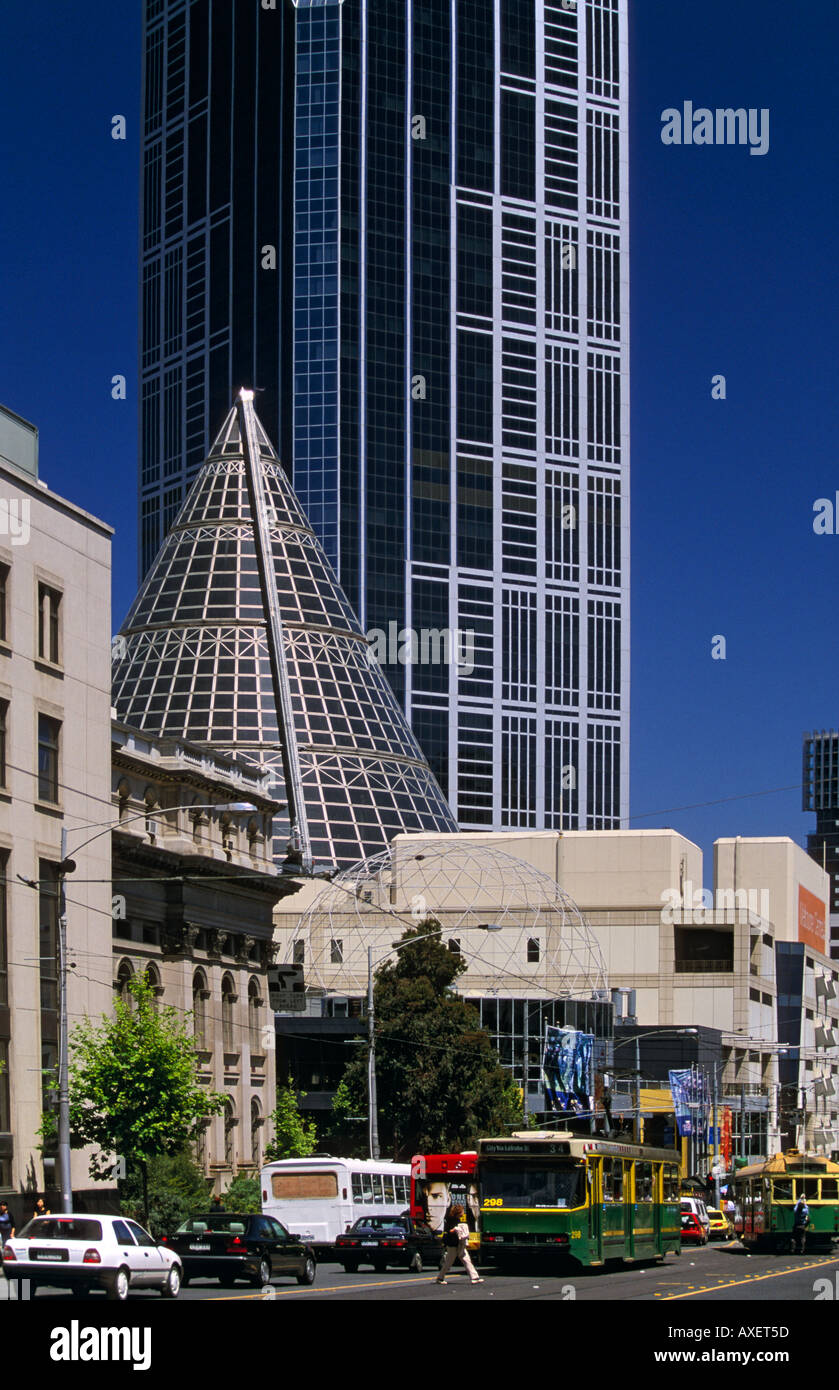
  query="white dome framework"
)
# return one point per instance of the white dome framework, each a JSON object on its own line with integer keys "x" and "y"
{"x": 540, "y": 944}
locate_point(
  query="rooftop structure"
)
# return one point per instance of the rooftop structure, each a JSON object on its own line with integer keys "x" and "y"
{"x": 242, "y": 641}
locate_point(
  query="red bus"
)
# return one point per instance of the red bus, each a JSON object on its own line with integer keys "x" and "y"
{"x": 439, "y": 1181}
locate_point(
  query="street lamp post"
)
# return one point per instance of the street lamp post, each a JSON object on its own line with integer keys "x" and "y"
{"x": 67, "y": 866}
{"x": 373, "y": 1120}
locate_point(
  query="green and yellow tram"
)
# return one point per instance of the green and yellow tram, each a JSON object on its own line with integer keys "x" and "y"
{"x": 765, "y": 1195}
{"x": 591, "y": 1199}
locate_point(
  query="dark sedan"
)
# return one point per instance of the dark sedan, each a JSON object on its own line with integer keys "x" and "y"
{"x": 228, "y": 1246}
{"x": 388, "y": 1240}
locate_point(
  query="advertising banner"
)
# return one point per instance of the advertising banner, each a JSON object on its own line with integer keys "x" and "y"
{"x": 567, "y": 1069}
{"x": 812, "y": 916}
{"x": 690, "y": 1104}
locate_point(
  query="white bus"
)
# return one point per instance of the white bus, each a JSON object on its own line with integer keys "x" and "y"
{"x": 318, "y": 1198}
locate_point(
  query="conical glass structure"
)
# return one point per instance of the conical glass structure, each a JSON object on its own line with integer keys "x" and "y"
{"x": 242, "y": 640}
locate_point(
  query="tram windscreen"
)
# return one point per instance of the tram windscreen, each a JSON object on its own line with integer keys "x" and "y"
{"x": 536, "y": 1185}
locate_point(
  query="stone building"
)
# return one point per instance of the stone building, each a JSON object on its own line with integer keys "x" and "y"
{"x": 194, "y": 890}
{"x": 55, "y": 624}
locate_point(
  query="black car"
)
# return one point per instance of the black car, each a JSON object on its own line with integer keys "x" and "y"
{"x": 388, "y": 1240}
{"x": 227, "y": 1246}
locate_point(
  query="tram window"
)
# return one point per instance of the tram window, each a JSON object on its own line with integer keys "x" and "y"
{"x": 617, "y": 1180}
{"x": 671, "y": 1185}
{"x": 830, "y": 1190}
{"x": 782, "y": 1191}
{"x": 643, "y": 1182}
{"x": 809, "y": 1187}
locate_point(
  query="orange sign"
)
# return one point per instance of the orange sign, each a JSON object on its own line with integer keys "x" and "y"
{"x": 812, "y": 916}
{"x": 725, "y": 1144}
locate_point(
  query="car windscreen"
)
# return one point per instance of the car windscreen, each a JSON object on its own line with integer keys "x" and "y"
{"x": 227, "y": 1222}
{"x": 62, "y": 1228}
{"x": 378, "y": 1224}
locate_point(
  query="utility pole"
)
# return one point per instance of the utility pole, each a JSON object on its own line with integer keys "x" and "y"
{"x": 66, "y": 866}
{"x": 371, "y": 1062}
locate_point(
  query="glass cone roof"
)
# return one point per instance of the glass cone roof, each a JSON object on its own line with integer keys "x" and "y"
{"x": 241, "y": 639}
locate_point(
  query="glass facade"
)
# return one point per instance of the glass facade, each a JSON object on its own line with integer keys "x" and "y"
{"x": 442, "y": 347}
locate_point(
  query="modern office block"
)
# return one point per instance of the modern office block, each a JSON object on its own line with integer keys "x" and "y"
{"x": 406, "y": 226}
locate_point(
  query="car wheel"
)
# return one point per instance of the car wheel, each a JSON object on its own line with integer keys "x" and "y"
{"x": 310, "y": 1269}
{"x": 263, "y": 1275}
{"x": 351, "y": 1266}
{"x": 172, "y": 1286}
{"x": 118, "y": 1286}
{"x": 416, "y": 1263}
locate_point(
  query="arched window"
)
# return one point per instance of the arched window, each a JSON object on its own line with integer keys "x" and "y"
{"x": 125, "y": 974}
{"x": 199, "y": 1009}
{"x": 201, "y": 1148}
{"x": 256, "y": 1126}
{"x": 153, "y": 977}
{"x": 228, "y": 1001}
{"x": 229, "y": 1132}
{"x": 255, "y": 1018}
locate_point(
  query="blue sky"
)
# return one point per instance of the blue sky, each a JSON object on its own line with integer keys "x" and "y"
{"x": 733, "y": 271}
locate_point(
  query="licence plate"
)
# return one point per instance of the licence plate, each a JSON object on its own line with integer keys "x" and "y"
{"x": 370, "y": 1242}
{"x": 58, "y": 1255}
{"x": 199, "y": 1247}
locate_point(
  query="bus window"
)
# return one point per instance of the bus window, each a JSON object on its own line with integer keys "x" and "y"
{"x": 401, "y": 1185}
{"x": 390, "y": 1195}
{"x": 356, "y": 1187}
{"x": 378, "y": 1190}
{"x": 294, "y": 1186}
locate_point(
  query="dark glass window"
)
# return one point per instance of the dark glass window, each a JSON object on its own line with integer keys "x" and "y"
{"x": 49, "y": 733}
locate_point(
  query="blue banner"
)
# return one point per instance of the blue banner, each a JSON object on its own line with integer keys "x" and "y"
{"x": 567, "y": 1069}
{"x": 687, "y": 1088}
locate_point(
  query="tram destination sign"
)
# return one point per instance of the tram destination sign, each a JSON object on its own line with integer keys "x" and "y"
{"x": 511, "y": 1146}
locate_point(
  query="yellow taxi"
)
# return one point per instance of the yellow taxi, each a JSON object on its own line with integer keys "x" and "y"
{"x": 720, "y": 1228}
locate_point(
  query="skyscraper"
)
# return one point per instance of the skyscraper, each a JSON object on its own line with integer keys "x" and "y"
{"x": 405, "y": 224}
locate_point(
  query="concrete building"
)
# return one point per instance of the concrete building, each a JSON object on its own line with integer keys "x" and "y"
{"x": 821, "y": 794}
{"x": 717, "y": 958}
{"x": 55, "y": 634}
{"x": 194, "y": 891}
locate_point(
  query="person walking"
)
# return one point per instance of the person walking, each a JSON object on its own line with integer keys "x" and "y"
{"x": 800, "y": 1222}
{"x": 7, "y": 1227}
{"x": 456, "y": 1241}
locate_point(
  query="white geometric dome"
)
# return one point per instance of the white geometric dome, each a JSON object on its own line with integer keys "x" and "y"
{"x": 540, "y": 945}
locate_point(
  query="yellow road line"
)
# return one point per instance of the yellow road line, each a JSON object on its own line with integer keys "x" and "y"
{"x": 749, "y": 1279}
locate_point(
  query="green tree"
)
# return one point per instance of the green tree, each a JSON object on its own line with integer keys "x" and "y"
{"x": 243, "y": 1194}
{"x": 176, "y": 1189}
{"x": 294, "y": 1137}
{"x": 134, "y": 1088}
{"x": 439, "y": 1082}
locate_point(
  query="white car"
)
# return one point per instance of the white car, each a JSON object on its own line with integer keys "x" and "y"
{"x": 80, "y": 1252}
